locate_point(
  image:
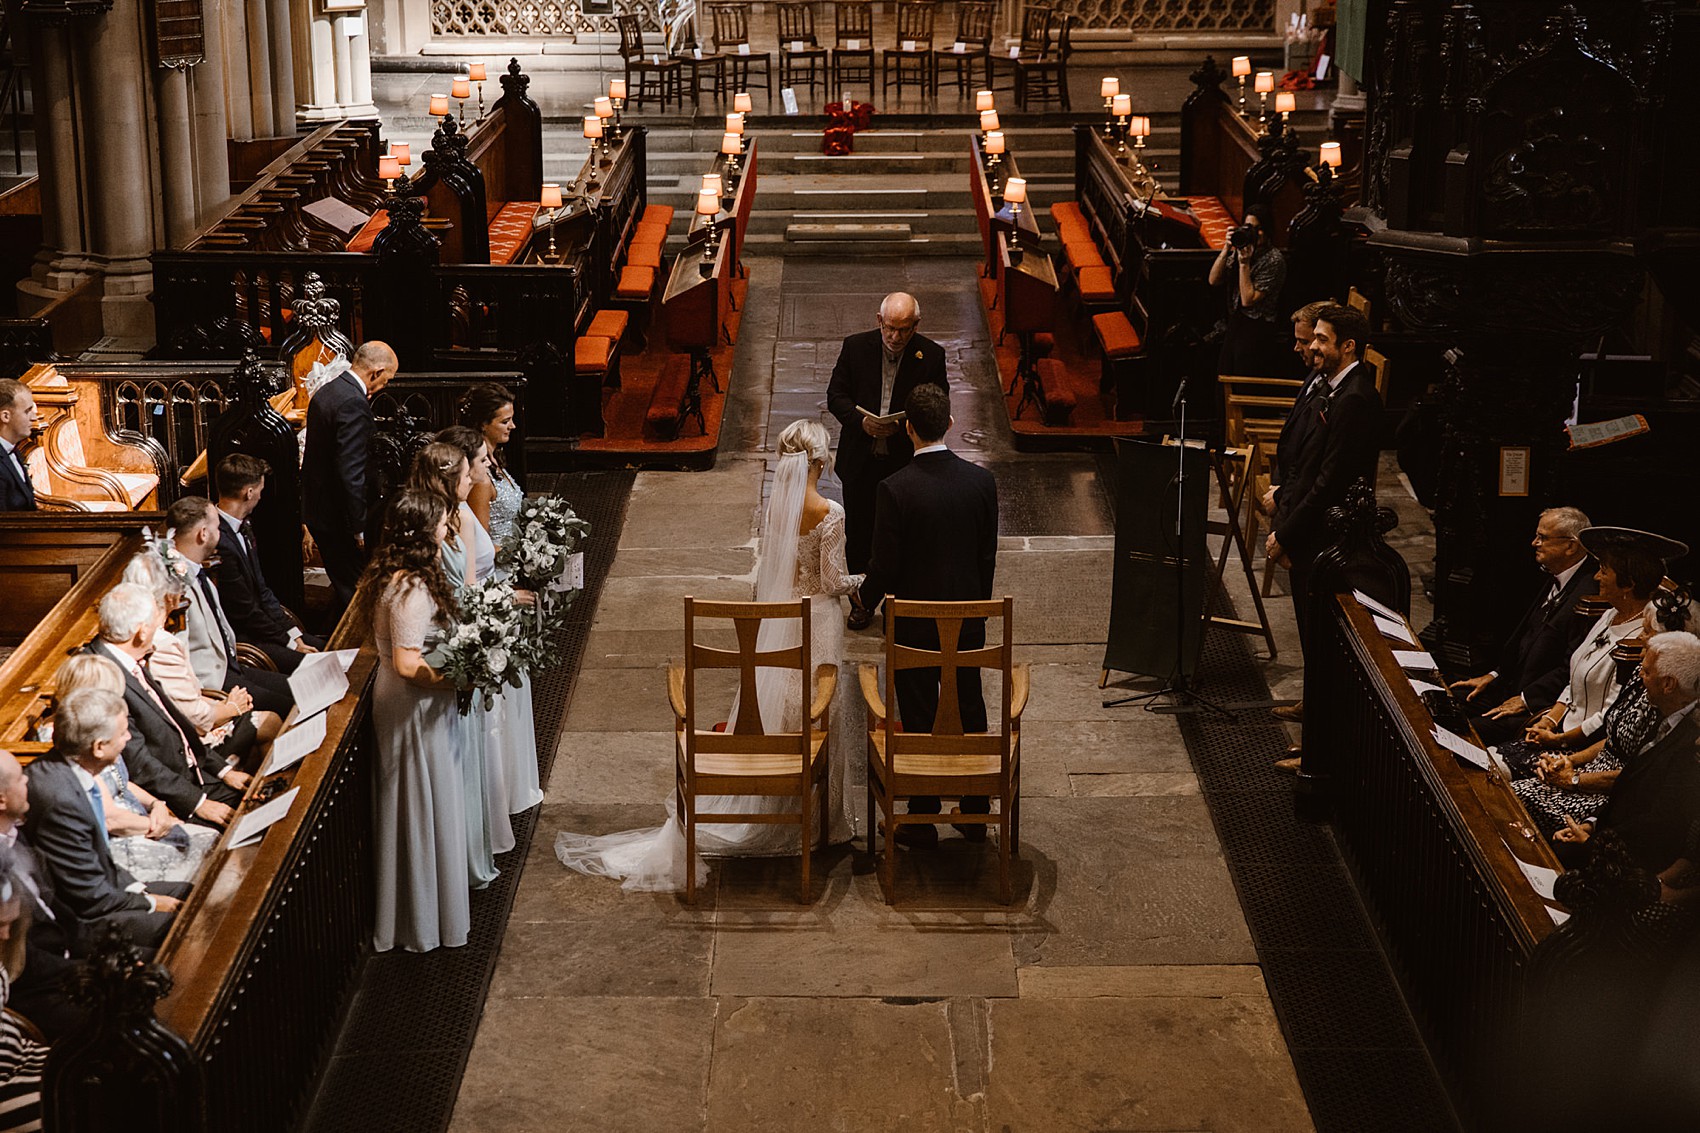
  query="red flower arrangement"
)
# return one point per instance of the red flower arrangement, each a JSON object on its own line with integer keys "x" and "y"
{"x": 839, "y": 137}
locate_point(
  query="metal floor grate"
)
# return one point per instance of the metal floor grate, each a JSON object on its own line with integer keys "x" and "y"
{"x": 398, "y": 1061}
{"x": 1357, "y": 1052}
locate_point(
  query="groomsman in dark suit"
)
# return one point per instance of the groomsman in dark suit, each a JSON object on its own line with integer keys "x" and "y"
{"x": 68, "y": 827}
{"x": 935, "y": 539}
{"x": 162, "y": 750}
{"x": 253, "y": 611}
{"x": 1534, "y": 664}
{"x": 875, "y": 372}
{"x": 18, "y": 418}
{"x": 335, "y": 480}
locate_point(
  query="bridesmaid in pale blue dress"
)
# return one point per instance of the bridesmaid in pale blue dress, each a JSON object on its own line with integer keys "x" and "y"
{"x": 419, "y": 829}
{"x": 444, "y": 469}
{"x": 496, "y": 499}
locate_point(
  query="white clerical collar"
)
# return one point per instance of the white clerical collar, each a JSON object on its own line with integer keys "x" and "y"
{"x": 938, "y": 447}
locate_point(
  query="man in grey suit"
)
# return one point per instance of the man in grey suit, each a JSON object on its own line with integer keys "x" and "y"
{"x": 193, "y": 522}
{"x": 68, "y": 827}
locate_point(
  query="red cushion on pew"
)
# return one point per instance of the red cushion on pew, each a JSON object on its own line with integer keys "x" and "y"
{"x": 1116, "y": 335}
{"x": 657, "y": 213}
{"x": 643, "y": 256}
{"x": 1214, "y": 220}
{"x": 1083, "y": 254}
{"x": 1069, "y": 209}
{"x": 592, "y": 354}
{"x": 609, "y": 323}
{"x": 1058, "y": 397}
{"x": 635, "y": 283}
{"x": 1097, "y": 284}
{"x": 510, "y": 229}
{"x": 650, "y": 232}
{"x": 362, "y": 241}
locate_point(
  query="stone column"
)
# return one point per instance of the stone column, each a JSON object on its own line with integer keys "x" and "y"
{"x": 177, "y": 155}
{"x": 256, "y": 18}
{"x": 283, "y": 67}
{"x": 238, "y": 102}
{"x": 60, "y": 265}
{"x": 212, "y": 152}
{"x": 339, "y": 69}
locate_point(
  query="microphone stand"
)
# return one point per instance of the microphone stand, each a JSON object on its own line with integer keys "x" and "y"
{"x": 1182, "y": 696}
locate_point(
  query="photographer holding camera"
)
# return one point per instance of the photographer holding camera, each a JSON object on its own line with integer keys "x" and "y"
{"x": 1255, "y": 343}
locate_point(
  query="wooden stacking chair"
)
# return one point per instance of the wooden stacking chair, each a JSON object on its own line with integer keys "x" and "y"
{"x": 974, "y": 22}
{"x": 1254, "y": 410}
{"x": 800, "y": 54}
{"x": 657, "y": 80}
{"x": 914, "y": 25}
{"x": 703, "y": 72}
{"x": 731, "y": 23}
{"x": 745, "y": 759}
{"x": 1035, "y": 37}
{"x": 945, "y": 762}
{"x": 852, "y": 22}
{"x": 1047, "y": 76}
{"x": 1376, "y": 359}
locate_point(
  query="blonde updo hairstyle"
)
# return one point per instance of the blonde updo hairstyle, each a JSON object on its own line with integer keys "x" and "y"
{"x": 807, "y": 436}
{"x": 88, "y": 670}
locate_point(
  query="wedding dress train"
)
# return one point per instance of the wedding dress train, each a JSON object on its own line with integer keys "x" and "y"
{"x": 792, "y": 566}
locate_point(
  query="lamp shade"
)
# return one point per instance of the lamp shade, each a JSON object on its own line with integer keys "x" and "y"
{"x": 982, "y": 100}
{"x": 402, "y": 152}
{"x": 439, "y": 105}
{"x": 1265, "y": 82}
{"x": 994, "y": 142}
{"x": 388, "y": 167}
{"x": 989, "y": 121}
{"x": 708, "y": 203}
{"x": 741, "y": 102}
{"x": 604, "y": 107}
{"x": 734, "y": 123}
{"x": 1242, "y": 66}
{"x": 1121, "y": 105}
{"x": 1285, "y": 102}
{"x": 711, "y": 183}
{"x": 1331, "y": 154}
{"x": 617, "y": 88}
{"x": 550, "y": 198}
{"x": 731, "y": 144}
{"x": 592, "y": 126}
{"x": 1139, "y": 126}
{"x": 475, "y": 72}
{"x": 1015, "y": 190}
{"x": 461, "y": 88}
{"x": 1109, "y": 85}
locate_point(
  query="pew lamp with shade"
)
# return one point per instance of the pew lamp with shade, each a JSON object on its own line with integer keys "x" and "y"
{"x": 1285, "y": 103}
{"x": 1327, "y": 164}
{"x": 1014, "y": 196}
{"x": 402, "y": 152}
{"x": 989, "y": 121}
{"x": 1140, "y": 127}
{"x": 550, "y": 199}
{"x": 983, "y": 101}
{"x": 460, "y": 90}
{"x": 1121, "y": 106}
{"x": 592, "y": 134}
{"x": 741, "y": 103}
{"x": 735, "y": 123}
{"x": 439, "y": 106}
{"x": 1242, "y": 68}
{"x": 731, "y": 145}
{"x": 994, "y": 156}
{"x": 603, "y": 107}
{"x": 1108, "y": 87}
{"x": 389, "y": 169}
{"x": 598, "y": 139}
{"x": 475, "y": 73}
{"x": 1265, "y": 84}
{"x": 708, "y": 207}
{"x": 617, "y": 95}
{"x": 716, "y": 184}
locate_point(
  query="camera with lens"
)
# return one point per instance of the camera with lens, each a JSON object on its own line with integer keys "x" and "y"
{"x": 1244, "y": 236}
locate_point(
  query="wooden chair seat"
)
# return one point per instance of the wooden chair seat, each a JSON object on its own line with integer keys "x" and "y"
{"x": 1072, "y": 225}
{"x": 60, "y": 467}
{"x": 962, "y": 770}
{"x": 635, "y": 283}
{"x": 1214, "y": 220}
{"x": 1082, "y": 254}
{"x": 750, "y": 765}
{"x": 1116, "y": 335}
{"x": 510, "y": 229}
{"x": 1096, "y": 284}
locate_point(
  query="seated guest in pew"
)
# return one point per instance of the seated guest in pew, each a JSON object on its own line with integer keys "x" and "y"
{"x": 1655, "y": 802}
{"x": 1534, "y": 662}
{"x": 252, "y": 610}
{"x": 335, "y": 485}
{"x": 227, "y": 722}
{"x": 23, "y": 1061}
{"x": 18, "y": 419}
{"x": 163, "y": 753}
{"x": 1632, "y": 565}
{"x": 144, "y": 836}
{"x": 38, "y": 992}
{"x": 67, "y": 827}
{"x": 1254, "y": 344}
{"x": 193, "y": 525}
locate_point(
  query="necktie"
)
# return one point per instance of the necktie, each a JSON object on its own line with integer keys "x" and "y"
{"x": 247, "y": 533}
{"x": 99, "y": 813}
{"x": 159, "y": 702}
{"x": 216, "y": 613}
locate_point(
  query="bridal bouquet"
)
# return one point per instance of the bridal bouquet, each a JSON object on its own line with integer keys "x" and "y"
{"x": 490, "y": 648}
{"x": 538, "y": 552}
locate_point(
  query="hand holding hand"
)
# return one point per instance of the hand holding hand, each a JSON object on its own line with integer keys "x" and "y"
{"x": 239, "y": 699}
{"x": 160, "y": 819}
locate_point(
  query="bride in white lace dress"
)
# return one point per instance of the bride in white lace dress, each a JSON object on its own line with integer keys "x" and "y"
{"x": 802, "y": 555}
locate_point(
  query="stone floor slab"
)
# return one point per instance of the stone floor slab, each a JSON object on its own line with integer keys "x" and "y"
{"x": 1064, "y": 597}
{"x": 1121, "y": 784}
{"x": 1138, "y": 980}
{"x": 641, "y": 949}
{"x": 691, "y": 562}
{"x": 659, "y": 603}
{"x": 715, "y": 509}
{"x": 612, "y": 767}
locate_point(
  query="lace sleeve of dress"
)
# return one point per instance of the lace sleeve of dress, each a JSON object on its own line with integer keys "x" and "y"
{"x": 833, "y": 577}
{"x": 411, "y": 610}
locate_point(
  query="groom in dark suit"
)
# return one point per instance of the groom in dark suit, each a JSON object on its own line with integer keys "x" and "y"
{"x": 18, "y": 419}
{"x": 875, "y": 372}
{"x": 335, "y": 486}
{"x": 935, "y": 540}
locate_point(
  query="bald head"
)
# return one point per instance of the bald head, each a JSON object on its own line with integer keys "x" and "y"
{"x": 900, "y": 313}
{"x": 375, "y": 364}
{"x": 14, "y": 791}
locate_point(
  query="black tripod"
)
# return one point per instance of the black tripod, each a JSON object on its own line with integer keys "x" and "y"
{"x": 1179, "y": 691}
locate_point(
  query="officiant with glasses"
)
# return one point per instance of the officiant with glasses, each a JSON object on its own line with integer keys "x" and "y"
{"x": 875, "y": 372}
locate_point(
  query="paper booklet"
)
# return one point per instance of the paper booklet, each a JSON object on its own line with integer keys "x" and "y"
{"x": 318, "y": 682}
{"x": 295, "y": 745}
{"x": 889, "y": 419}
{"x": 251, "y": 826}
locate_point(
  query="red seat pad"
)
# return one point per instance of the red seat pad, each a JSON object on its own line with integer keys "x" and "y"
{"x": 1116, "y": 334}
{"x": 643, "y": 256}
{"x": 657, "y": 213}
{"x": 609, "y": 323}
{"x": 650, "y": 232}
{"x": 362, "y": 240}
{"x": 510, "y": 229}
{"x": 1082, "y": 254}
{"x": 1097, "y": 284}
{"x": 1057, "y": 393}
{"x": 1214, "y": 220}
{"x": 591, "y": 354}
{"x": 635, "y": 283}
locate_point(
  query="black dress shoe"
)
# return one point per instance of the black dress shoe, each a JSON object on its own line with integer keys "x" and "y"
{"x": 917, "y": 836}
{"x": 859, "y": 618}
{"x": 971, "y": 831}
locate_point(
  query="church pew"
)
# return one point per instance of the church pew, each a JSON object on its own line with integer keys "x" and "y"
{"x": 76, "y": 462}
{"x": 43, "y": 556}
{"x": 264, "y": 953}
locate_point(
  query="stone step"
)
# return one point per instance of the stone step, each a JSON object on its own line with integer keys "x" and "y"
{"x": 858, "y": 232}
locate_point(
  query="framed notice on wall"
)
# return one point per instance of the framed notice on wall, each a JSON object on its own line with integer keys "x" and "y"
{"x": 1514, "y": 470}
{"x": 179, "y": 38}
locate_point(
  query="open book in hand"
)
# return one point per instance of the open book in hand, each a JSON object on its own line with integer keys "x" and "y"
{"x": 889, "y": 419}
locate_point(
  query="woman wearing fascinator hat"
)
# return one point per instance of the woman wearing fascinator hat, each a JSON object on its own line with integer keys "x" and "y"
{"x": 1571, "y": 753}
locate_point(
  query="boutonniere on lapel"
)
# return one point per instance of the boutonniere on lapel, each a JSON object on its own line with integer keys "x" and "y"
{"x": 917, "y": 354}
